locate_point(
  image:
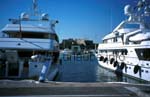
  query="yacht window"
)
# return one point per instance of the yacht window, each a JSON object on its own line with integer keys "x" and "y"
{"x": 104, "y": 41}
{"x": 25, "y": 53}
{"x": 33, "y": 35}
{"x": 28, "y": 35}
{"x": 115, "y": 39}
{"x": 132, "y": 26}
{"x": 143, "y": 54}
{"x": 14, "y": 35}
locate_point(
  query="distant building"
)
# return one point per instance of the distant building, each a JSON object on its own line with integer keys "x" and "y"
{"x": 84, "y": 44}
{"x": 67, "y": 43}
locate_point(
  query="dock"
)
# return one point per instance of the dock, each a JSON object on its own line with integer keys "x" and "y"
{"x": 31, "y": 88}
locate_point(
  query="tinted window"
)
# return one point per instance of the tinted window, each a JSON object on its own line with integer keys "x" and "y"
{"x": 143, "y": 54}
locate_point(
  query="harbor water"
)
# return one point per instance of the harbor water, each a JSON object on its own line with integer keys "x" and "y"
{"x": 85, "y": 68}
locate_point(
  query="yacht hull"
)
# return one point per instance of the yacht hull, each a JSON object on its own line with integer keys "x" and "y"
{"x": 131, "y": 64}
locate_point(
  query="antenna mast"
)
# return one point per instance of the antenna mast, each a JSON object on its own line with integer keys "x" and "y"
{"x": 35, "y": 8}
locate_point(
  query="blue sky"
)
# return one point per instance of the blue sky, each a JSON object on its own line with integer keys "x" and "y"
{"x": 86, "y": 19}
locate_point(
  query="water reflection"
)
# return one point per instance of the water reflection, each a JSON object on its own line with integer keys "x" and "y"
{"x": 77, "y": 69}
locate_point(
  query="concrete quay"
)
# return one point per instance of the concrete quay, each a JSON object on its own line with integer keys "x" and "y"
{"x": 31, "y": 88}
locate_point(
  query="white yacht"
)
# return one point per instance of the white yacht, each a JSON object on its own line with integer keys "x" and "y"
{"x": 127, "y": 48}
{"x": 29, "y": 47}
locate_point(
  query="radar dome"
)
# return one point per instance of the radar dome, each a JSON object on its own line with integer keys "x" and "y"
{"x": 24, "y": 16}
{"x": 45, "y": 16}
{"x": 128, "y": 10}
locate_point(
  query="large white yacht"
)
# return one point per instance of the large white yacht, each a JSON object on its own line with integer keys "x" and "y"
{"x": 29, "y": 47}
{"x": 127, "y": 48}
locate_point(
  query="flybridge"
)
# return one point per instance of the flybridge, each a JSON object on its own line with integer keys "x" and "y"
{"x": 34, "y": 17}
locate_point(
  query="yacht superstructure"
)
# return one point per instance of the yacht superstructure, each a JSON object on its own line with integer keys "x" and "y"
{"x": 127, "y": 48}
{"x": 29, "y": 47}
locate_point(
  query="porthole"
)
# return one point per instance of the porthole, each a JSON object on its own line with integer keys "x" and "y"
{"x": 146, "y": 71}
{"x": 147, "y": 64}
{"x": 129, "y": 67}
{"x": 19, "y": 44}
{"x": 142, "y": 70}
{"x": 35, "y": 66}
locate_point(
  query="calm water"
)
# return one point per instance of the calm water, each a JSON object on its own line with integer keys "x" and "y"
{"x": 85, "y": 68}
